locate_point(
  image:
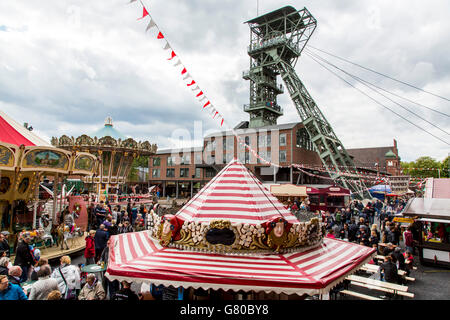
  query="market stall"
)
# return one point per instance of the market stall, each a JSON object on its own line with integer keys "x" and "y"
{"x": 432, "y": 216}
{"x": 327, "y": 198}
{"x": 285, "y": 192}
{"x": 234, "y": 234}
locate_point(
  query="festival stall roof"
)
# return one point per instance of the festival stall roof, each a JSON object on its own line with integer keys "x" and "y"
{"x": 13, "y": 133}
{"x": 433, "y": 208}
{"x": 237, "y": 195}
{"x": 288, "y": 190}
{"x": 138, "y": 257}
{"x": 437, "y": 188}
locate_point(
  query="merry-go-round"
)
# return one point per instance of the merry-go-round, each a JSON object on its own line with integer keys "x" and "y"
{"x": 25, "y": 159}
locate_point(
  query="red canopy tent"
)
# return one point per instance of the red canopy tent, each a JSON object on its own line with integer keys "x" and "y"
{"x": 235, "y": 194}
{"x": 138, "y": 257}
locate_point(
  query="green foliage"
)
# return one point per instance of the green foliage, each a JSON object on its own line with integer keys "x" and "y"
{"x": 421, "y": 167}
{"x": 445, "y": 173}
{"x": 141, "y": 161}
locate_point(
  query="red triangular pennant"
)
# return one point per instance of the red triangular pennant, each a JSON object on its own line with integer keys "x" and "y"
{"x": 222, "y": 121}
{"x": 206, "y": 104}
{"x": 199, "y": 94}
{"x": 144, "y": 14}
{"x": 215, "y": 114}
{"x": 183, "y": 71}
{"x": 192, "y": 83}
{"x": 173, "y": 55}
{"x": 160, "y": 35}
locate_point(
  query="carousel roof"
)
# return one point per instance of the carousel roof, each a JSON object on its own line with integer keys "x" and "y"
{"x": 138, "y": 257}
{"x": 14, "y": 133}
{"x": 109, "y": 130}
{"x": 237, "y": 195}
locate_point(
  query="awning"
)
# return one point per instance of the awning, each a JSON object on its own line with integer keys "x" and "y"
{"x": 434, "y": 220}
{"x": 337, "y": 194}
{"x": 138, "y": 257}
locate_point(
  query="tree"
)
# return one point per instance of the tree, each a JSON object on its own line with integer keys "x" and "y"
{"x": 445, "y": 168}
{"x": 423, "y": 167}
{"x": 139, "y": 162}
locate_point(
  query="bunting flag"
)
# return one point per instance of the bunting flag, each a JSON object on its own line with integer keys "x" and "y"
{"x": 192, "y": 83}
{"x": 151, "y": 24}
{"x": 196, "y": 88}
{"x": 215, "y": 114}
{"x": 222, "y": 122}
{"x": 144, "y": 14}
{"x": 167, "y": 46}
{"x": 199, "y": 94}
{"x": 173, "y": 55}
{"x": 206, "y": 104}
{"x": 160, "y": 35}
{"x": 183, "y": 71}
{"x": 186, "y": 76}
{"x": 202, "y": 98}
{"x": 131, "y": 1}
{"x": 177, "y": 64}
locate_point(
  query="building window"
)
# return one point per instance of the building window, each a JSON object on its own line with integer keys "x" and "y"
{"x": 282, "y": 156}
{"x": 282, "y": 139}
{"x": 184, "y": 172}
{"x": 262, "y": 141}
{"x": 156, "y": 162}
{"x": 209, "y": 173}
{"x": 390, "y": 163}
{"x": 185, "y": 159}
{"x": 156, "y": 173}
{"x": 198, "y": 172}
{"x": 170, "y": 161}
{"x": 198, "y": 158}
{"x": 170, "y": 173}
{"x": 230, "y": 143}
{"x": 303, "y": 140}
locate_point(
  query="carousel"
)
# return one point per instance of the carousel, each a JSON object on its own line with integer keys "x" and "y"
{"x": 25, "y": 159}
{"x": 116, "y": 154}
{"x": 234, "y": 235}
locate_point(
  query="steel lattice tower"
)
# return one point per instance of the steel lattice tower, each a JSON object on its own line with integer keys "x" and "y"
{"x": 276, "y": 42}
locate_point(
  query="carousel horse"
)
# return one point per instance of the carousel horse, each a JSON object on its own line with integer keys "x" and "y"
{"x": 68, "y": 229}
{"x": 45, "y": 228}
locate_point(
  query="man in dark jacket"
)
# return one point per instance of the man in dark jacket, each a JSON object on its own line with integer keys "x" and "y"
{"x": 389, "y": 270}
{"x": 398, "y": 258}
{"x": 100, "y": 239}
{"x": 100, "y": 213}
{"x": 24, "y": 259}
{"x": 353, "y": 228}
{"x": 125, "y": 293}
{"x": 4, "y": 245}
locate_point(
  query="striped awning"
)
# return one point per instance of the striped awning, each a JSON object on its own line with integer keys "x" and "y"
{"x": 138, "y": 257}
{"x": 234, "y": 194}
{"x": 14, "y": 133}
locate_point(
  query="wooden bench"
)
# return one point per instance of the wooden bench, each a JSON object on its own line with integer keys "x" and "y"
{"x": 383, "y": 284}
{"x": 359, "y": 295}
{"x": 372, "y": 287}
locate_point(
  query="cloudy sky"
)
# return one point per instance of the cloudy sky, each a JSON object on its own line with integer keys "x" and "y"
{"x": 67, "y": 65}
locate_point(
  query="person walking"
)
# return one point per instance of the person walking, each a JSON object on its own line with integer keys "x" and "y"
{"x": 68, "y": 277}
{"x": 10, "y": 291}
{"x": 92, "y": 290}
{"x": 89, "y": 251}
{"x": 100, "y": 239}
{"x": 24, "y": 259}
{"x": 44, "y": 285}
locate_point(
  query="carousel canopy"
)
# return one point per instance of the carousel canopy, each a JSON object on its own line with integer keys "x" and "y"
{"x": 138, "y": 257}
{"x": 237, "y": 195}
{"x": 14, "y": 133}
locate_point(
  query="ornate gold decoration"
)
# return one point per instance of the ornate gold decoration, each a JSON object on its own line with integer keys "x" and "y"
{"x": 220, "y": 224}
{"x": 277, "y": 242}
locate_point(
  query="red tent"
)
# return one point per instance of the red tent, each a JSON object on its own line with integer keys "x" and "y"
{"x": 16, "y": 134}
{"x": 138, "y": 257}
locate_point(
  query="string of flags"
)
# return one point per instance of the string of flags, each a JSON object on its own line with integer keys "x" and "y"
{"x": 207, "y": 105}
{"x": 199, "y": 94}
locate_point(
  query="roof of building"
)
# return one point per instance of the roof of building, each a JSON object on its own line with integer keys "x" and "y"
{"x": 283, "y": 126}
{"x": 437, "y": 188}
{"x": 368, "y": 157}
{"x": 390, "y": 154}
{"x": 178, "y": 150}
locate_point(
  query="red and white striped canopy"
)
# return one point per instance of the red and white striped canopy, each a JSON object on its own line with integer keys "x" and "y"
{"x": 138, "y": 257}
{"x": 14, "y": 133}
{"x": 237, "y": 195}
